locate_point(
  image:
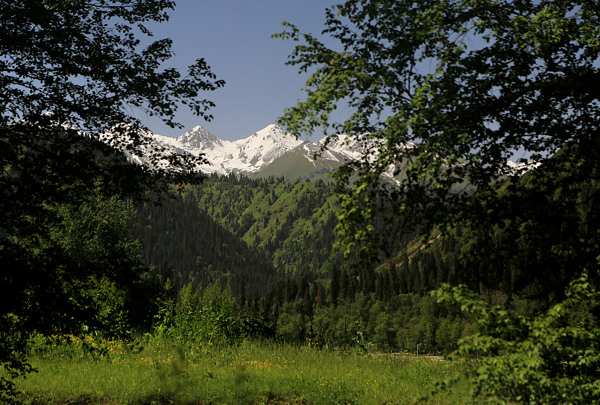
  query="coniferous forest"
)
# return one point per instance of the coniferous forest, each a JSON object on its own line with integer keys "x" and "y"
{"x": 271, "y": 243}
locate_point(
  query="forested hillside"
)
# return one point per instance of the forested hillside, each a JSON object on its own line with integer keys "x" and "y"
{"x": 272, "y": 242}
{"x": 242, "y": 231}
{"x": 292, "y": 222}
{"x": 181, "y": 242}
{"x": 275, "y": 240}
{"x": 521, "y": 263}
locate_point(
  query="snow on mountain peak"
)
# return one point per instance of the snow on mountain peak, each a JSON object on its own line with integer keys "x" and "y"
{"x": 264, "y": 146}
{"x": 513, "y": 168}
{"x": 271, "y": 135}
{"x": 200, "y": 139}
{"x": 250, "y": 155}
{"x": 247, "y": 155}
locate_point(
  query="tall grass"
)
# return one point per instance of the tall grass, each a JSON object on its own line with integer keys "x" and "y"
{"x": 116, "y": 372}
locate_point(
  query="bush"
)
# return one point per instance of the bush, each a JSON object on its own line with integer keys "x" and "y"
{"x": 550, "y": 358}
{"x": 207, "y": 317}
{"x": 13, "y": 358}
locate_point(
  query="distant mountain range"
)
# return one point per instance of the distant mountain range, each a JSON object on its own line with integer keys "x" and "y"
{"x": 272, "y": 152}
{"x": 268, "y": 152}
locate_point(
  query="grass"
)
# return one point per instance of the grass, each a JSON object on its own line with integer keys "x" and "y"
{"x": 113, "y": 372}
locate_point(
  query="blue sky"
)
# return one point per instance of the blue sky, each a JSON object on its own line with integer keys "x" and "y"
{"x": 234, "y": 36}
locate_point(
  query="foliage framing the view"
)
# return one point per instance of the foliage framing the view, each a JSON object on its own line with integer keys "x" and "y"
{"x": 453, "y": 88}
{"x": 73, "y": 74}
{"x": 89, "y": 66}
{"x": 551, "y": 358}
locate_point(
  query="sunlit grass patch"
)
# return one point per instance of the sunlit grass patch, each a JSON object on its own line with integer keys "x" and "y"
{"x": 251, "y": 372}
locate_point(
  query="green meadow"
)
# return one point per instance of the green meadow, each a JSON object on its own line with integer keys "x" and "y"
{"x": 72, "y": 370}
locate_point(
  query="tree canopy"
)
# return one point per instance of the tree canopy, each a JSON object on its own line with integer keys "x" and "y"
{"x": 75, "y": 78}
{"x": 88, "y": 63}
{"x": 93, "y": 66}
{"x": 72, "y": 75}
{"x": 449, "y": 90}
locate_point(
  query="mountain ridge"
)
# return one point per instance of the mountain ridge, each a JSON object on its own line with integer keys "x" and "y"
{"x": 273, "y": 152}
{"x": 254, "y": 154}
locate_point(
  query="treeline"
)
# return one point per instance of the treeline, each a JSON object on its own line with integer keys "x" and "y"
{"x": 370, "y": 310}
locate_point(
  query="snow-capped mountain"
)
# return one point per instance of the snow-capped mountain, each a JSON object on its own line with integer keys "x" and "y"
{"x": 513, "y": 168}
{"x": 264, "y": 146}
{"x": 246, "y": 155}
{"x": 272, "y": 152}
{"x": 254, "y": 154}
{"x": 200, "y": 139}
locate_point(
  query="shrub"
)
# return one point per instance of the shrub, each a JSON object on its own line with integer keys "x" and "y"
{"x": 549, "y": 358}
